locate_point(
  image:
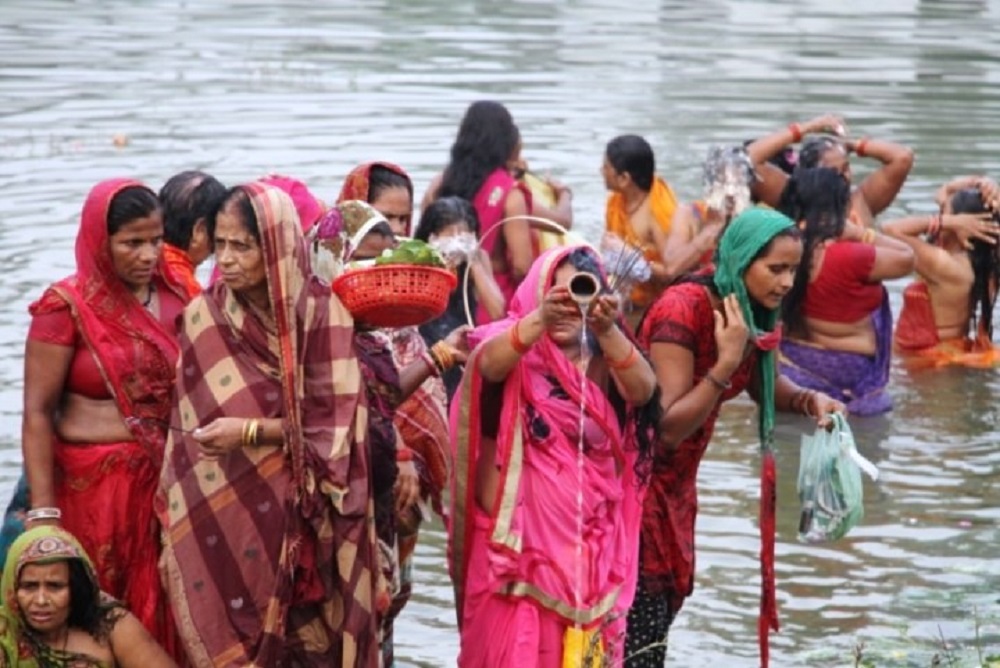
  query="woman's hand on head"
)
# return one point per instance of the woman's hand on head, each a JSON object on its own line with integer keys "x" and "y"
{"x": 829, "y": 123}
{"x": 220, "y": 436}
{"x": 971, "y": 226}
{"x": 731, "y": 332}
{"x": 602, "y": 314}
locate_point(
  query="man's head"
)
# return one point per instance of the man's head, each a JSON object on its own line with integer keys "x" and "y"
{"x": 188, "y": 199}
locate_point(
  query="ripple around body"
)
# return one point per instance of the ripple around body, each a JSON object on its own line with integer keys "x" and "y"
{"x": 311, "y": 89}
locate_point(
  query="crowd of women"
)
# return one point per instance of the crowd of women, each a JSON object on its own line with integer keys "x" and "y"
{"x": 236, "y": 475}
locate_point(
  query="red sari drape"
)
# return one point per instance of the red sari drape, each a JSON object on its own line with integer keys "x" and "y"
{"x": 105, "y": 490}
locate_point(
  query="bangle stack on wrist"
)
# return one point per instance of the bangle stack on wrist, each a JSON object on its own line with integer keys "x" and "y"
{"x": 519, "y": 346}
{"x": 442, "y": 356}
{"x": 800, "y": 402}
{"x": 251, "y": 433}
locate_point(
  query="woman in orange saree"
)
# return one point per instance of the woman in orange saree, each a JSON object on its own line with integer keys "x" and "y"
{"x": 265, "y": 495}
{"x": 99, "y": 369}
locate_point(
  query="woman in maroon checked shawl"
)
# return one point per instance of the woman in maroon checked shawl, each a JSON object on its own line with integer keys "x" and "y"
{"x": 266, "y": 498}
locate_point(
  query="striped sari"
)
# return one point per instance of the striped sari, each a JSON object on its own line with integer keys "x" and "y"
{"x": 270, "y": 553}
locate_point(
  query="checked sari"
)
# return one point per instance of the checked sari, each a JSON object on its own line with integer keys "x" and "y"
{"x": 269, "y": 556}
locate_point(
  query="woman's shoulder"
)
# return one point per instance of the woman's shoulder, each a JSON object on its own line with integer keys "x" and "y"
{"x": 55, "y": 298}
{"x": 686, "y": 305}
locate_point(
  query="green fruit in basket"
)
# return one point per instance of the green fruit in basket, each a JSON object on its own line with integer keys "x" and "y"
{"x": 412, "y": 251}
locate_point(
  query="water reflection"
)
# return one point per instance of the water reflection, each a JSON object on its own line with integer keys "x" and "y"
{"x": 311, "y": 89}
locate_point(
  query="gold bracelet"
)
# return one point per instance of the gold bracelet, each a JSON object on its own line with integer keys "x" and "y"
{"x": 254, "y": 432}
{"x": 868, "y": 236}
{"x": 245, "y": 434}
{"x": 442, "y": 353}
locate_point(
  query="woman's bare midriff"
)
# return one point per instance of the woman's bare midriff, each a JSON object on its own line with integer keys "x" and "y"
{"x": 855, "y": 337}
{"x": 84, "y": 420}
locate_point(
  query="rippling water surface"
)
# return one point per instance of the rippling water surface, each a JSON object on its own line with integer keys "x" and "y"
{"x": 245, "y": 87}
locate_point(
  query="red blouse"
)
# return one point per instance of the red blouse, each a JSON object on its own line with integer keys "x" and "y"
{"x": 682, "y": 316}
{"x": 842, "y": 292}
{"x": 84, "y": 376}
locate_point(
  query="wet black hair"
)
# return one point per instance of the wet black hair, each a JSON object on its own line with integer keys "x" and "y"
{"x": 444, "y": 212}
{"x": 632, "y": 155}
{"x": 813, "y": 148}
{"x": 239, "y": 198}
{"x": 486, "y": 141}
{"x": 382, "y": 178}
{"x": 818, "y": 200}
{"x": 985, "y": 264}
{"x": 188, "y": 197}
{"x": 130, "y": 203}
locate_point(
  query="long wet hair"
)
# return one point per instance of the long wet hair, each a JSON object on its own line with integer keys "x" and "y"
{"x": 985, "y": 265}
{"x": 818, "y": 200}
{"x": 486, "y": 141}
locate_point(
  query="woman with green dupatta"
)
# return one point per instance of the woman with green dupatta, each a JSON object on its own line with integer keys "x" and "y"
{"x": 710, "y": 337}
{"x": 54, "y": 614}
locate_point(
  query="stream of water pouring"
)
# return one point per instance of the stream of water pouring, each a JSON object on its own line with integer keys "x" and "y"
{"x": 584, "y": 363}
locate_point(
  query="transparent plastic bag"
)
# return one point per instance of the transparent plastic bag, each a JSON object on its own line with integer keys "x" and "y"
{"x": 830, "y": 489}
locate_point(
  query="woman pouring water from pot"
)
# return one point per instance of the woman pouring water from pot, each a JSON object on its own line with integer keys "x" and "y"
{"x": 545, "y": 498}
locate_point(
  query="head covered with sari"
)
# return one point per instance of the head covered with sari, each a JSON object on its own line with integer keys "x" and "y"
{"x": 338, "y": 234}
{"x": 367, "y": 181}
{"x": 134, "y": 352}
{"x": 744, "y": 239}
{"x": 298, "y": 507}
{"x": 538, "y": 436}
{"x": 89, "y": 611}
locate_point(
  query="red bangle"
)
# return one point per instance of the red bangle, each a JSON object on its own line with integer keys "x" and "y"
{"x": 934, "y": 226}
{"x": 629, "y": 360}
{"x": 859, "y": 148}
{"x": 515, "y": 341}
{"x": 796, "y": 131}
{"x": 404, "y": 455}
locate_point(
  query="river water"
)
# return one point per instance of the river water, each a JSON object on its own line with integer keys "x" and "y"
{"x": 242, "y": 87}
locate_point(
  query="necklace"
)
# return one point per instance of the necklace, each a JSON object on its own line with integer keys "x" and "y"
{"x": 630, "y": 211}
{"x": 149, "y": 296}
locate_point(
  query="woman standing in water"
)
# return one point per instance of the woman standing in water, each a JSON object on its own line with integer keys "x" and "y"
{"x": 947, "y": 315}
{"x": 98, "y": 376}
{"x": 270, "y": 556}
{"x": 525, "y": 584}
{"x": 484, "y": 157}
{"x": 710, "y": 338}
{"x": 838, "y": 324}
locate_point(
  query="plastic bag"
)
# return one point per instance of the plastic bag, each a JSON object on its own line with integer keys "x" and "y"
{"x": 830, "y": 489}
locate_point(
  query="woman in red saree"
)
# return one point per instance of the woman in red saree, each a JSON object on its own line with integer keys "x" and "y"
{"x": 525, "y": 581}
{"x": 99, "y": 369}
{"x": 265, "y": 496}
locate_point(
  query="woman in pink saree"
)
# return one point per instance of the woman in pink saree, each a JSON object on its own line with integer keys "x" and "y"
{"x": 527, "y": 587}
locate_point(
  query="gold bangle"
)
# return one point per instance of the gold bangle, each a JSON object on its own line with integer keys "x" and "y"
{"x": 254, "y": 432}
{"x": 868, "y": 236}
{"x": 442, "y": 353}
{"x": 245, "y": 433}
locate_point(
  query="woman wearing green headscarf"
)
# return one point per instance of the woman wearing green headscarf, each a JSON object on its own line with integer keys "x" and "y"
{"x": 54, "y": 614}
{"x": 710, "y": 337}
